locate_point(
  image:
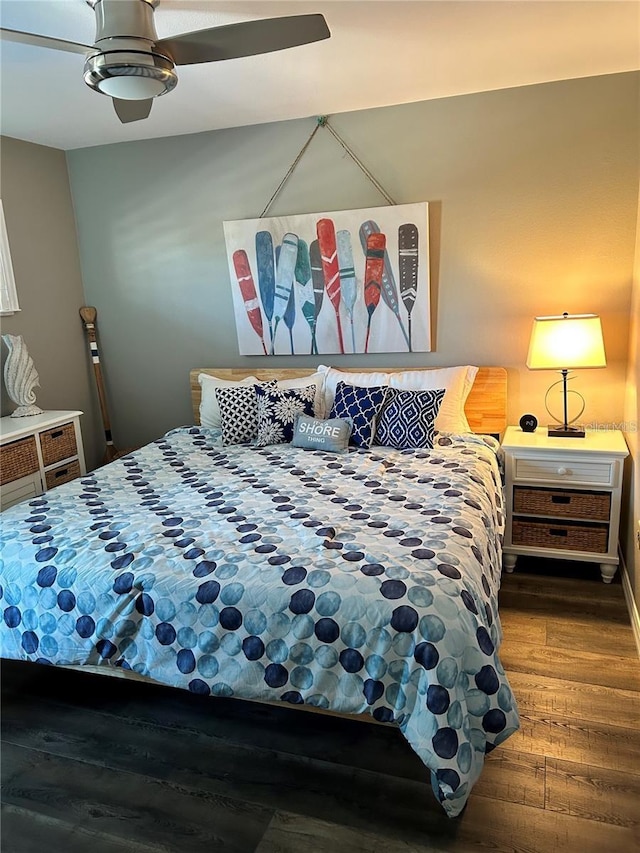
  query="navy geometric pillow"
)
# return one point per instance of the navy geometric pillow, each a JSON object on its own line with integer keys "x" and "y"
{"x": 361, "y": 406}
{"x": 278, "y": 409}
{"x": 407, "y": 418}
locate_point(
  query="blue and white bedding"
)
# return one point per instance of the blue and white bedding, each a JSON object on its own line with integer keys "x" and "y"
{"x": 363, "y": 582}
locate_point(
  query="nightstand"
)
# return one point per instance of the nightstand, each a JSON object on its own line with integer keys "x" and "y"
{"x": 37, "y": 453}
{"x": 563, "y": 497}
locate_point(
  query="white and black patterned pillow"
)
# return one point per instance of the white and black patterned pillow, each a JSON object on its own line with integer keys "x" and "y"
{"x": 239, "y": 413}
{"x": 360, "y": 406}
{"x": 278, "y": 409}
{"x": 407, "y": 418}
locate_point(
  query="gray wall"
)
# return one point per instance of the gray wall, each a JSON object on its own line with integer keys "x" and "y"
{"x": 42, "y": 238}
{"x": 533, "y": 196}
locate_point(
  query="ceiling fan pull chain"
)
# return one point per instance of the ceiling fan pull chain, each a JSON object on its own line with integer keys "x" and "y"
{"x": 323, "y": 121}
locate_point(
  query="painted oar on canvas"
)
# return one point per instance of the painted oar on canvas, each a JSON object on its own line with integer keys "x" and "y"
{"x": 348, "y": 283}
{"x": 389, "y": 288}
{"x": 89, "y": 316}
{"x": 249, "y": 295}
{"x": 266, "y": 276}
{"x": 408, "y": 268}
{"x": 303, "y": 280}
{"x": 373, "y": 267}
{"x": 285, "y": 270}
{"x": 329, "y": 255}
{"x": 289, "y": 316}
{"x": 317, "y": 277}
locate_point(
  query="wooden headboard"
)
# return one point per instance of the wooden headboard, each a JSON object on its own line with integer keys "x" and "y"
{"x": 486, "y": 407}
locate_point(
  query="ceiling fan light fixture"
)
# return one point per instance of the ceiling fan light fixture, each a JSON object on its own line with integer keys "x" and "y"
{"x": 130, "y": 75}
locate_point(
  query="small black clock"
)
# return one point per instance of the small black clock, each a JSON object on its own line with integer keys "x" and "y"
{"x": 528, "y": 423}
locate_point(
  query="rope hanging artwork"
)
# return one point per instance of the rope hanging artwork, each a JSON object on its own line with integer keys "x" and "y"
{"x": 323, "y": 121}
{"x": 342, "y": 281}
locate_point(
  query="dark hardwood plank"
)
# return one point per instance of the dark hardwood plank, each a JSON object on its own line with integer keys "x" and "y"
{"x": 285, "y": 729}
{"x": 128, "y": 805}
{"x": 484, "y": 825}
{"x": 608, "y": 746}
{"x": 617, "y": 640}
{"x": 247, "y": 773}
{"x": 602, "y": 613}
{"x": 571, "y": 665}
{"x": 292, "y": 833}
{"x": 610, "y": 796}
{"x": 311, "y": 787}
{"x": 538, "y": 694}
{"x": 552, "y": 584}
{"x": 25, "y": 831}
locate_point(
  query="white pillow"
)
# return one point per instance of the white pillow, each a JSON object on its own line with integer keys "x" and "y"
{"x": 316, "y": 379}
{"x": 209, "y": 408}
{"x": 332, "y": 376}
{"x": 457, "y": 382}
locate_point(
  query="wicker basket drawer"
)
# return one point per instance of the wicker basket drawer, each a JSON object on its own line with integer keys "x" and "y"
{"x": 62, "y": 474}
{"x": 562, "y": 503}
{"x": 568, "y": 537}
{"x": 58, "y": 443}
{"x": 18, "y": 459}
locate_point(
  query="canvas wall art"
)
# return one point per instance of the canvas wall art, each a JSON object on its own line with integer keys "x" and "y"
{"x": 348, "y": 281}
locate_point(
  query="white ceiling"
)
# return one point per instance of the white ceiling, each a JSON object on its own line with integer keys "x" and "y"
{"x": 381, "y": 52}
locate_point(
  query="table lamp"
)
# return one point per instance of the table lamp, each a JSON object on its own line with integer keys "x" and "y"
{"x": 566, "y": 342}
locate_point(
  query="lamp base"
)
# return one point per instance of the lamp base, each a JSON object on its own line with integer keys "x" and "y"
{"x": 560, "y": 431}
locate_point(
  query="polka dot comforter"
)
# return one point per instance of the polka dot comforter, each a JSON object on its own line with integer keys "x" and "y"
{"x": 364, "y": 582}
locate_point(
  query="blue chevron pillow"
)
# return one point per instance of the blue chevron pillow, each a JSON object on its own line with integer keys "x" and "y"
{"x": 407, "y": 418}
{"x": 361, "y": 407}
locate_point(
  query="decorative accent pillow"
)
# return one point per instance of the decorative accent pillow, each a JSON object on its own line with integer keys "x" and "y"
{"x": 407, "y": 418}
{"x": 360, "y": 406}
{"x": 303, "y": 382}
{"x": 315, "y": 434}
{"x": 209, "y": 408}
{"x": 361, "y": 379}
{"x": 457, "y": 382}
{"x": 277, "y": 410}
{"x": 238, "y": 408}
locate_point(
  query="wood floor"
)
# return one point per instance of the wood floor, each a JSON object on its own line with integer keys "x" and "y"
{"x": 98, "y": 765}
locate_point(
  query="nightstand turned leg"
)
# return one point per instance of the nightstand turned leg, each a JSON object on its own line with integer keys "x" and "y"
{"x": 509, "y": 562}
{"x": 608, "y": 571}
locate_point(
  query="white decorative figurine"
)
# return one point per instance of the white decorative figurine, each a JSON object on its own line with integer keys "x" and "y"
{"x": 20, "y": 377}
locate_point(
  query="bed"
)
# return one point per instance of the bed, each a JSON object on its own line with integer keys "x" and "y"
{"x": 361, "y": 583}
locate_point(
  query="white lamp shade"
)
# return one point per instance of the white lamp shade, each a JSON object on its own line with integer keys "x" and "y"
{"x": 566, "y": 342}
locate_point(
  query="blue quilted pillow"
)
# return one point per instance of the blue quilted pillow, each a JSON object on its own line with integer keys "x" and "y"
{"x": 278, "y": 409}
{"x": 407, "y": 418}
{"x": 360, "y": 406}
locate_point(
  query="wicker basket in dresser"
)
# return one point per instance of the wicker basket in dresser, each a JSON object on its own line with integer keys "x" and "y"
{"x": 38, "y": 453}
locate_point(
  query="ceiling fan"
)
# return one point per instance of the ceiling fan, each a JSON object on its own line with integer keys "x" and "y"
{"x": 130, "y": 64}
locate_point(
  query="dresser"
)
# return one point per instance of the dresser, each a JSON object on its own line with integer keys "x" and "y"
{"x": 38, "y": 453}
{"x": 563, "y": 497}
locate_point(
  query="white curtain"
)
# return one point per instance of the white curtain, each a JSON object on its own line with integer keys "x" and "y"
{"x": 8, "y": 295}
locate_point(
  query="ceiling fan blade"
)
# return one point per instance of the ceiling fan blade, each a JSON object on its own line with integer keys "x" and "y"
{"x": 248, "y": 38}
{"x": 132, "y": 110}
{"x": 45, "y": 41}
